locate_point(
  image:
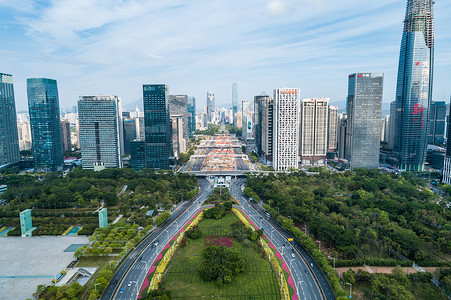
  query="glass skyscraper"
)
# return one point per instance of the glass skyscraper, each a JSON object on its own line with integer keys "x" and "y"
{"x": 157, "y": 126}
{"x": 9, "y": 138}
{"x": 437, "y": 121}
{"x": 191, "y": 116}
{"x": 414, "y": 86}
{"x": 43, "y": 106}
{"x": 364, "y": 108}
{"x": 258, "y": 102}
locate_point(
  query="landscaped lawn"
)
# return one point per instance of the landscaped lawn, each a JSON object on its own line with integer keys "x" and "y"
{"x": 183, "y": 281}
{"x": 92, "y": 261}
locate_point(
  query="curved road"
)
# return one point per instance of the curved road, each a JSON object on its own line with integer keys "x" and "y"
{"x": 299, "y": 261}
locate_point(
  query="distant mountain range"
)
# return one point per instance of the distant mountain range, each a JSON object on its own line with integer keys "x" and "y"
{"x": 132, "y": 106}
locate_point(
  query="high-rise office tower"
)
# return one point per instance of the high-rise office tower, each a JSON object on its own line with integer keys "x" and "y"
{"x": 437, "y": 117}
{"x": 258, "y": 102}
{"x": 211, "y": 107}
{"x": 9, "y": 138}
{"x": 314, "y": 130}
{"x": 364, "y": 108}
{"x": 342, "y": 126}
{"x": 158, "y": 126}
{"x": 391, "y": 133}
{"x": 246, "y": 120}
{"x": 178, "y": 141}
{"x": 178, "y": 105}
{"x": 138, "y": 154}
{"x": 446, "y": 176}
{"x": 414, "y": 85}
{"x": 239, "y": 119}
{"x": 131, "y": 132}
{"x": 191, "y": 116}
{"x": 101, "y": 131}
{"x": 65, "y": 135}
{"x": 333, "y": 121}
{"x": 24, "y": 135}
{"x": 234, "y": 100}
{"x": 286, "y": 129}
{"x": 267, "y": 130}
{"x": 385, "y": 134}
{"x": 43, "y": 106}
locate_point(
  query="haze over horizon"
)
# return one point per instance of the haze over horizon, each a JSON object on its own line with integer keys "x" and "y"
{"x": 113, "y": 47}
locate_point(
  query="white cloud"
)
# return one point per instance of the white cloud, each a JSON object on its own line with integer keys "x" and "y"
{"x": 278, "y": 7}
{"x": 113, "y": 46}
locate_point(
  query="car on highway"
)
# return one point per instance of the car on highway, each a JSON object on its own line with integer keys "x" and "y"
{"x": 292, "y": 255}
{"x": 129, "y": 284}
{"x": 121, "y": 290}
{"x": 306, "y": 271}
{"x": 155, "y": 244}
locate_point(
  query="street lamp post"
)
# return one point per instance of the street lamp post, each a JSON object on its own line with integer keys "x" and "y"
{"x": 319, "y": 245}
{"x": 95, "y": 286}
{"x": 277, "y": 209}
{"x": 330, "y": 257}
{"x": 350, "y": 289}
{"x": 305, "y": 230}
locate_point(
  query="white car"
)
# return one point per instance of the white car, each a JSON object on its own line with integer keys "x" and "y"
{"x": 130, "y": 283}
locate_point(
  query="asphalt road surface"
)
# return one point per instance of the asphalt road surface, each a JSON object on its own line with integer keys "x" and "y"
{"x": 300, "y": 263}
{"x": 131, "y": 274}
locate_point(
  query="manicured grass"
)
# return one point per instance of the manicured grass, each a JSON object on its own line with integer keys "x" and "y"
{"x": 183, "y": 281}
{"x": 92, "y": 261}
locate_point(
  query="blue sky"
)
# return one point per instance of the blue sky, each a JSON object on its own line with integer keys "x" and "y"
{"x": 115, "y": 46}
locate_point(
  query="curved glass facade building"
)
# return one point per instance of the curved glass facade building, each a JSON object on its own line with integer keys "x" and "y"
{"x": 414, "y": 86}
{"x": 43, "y": 106}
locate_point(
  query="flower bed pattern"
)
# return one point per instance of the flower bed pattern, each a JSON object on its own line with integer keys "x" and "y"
{"x": 216, "y": 240}
{"x": 157, "y": 269}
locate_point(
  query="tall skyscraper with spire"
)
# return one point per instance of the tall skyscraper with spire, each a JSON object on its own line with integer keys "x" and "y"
{"x": 414, "y": 85}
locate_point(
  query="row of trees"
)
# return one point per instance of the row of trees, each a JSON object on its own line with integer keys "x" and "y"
{"x": 211, "y": 130}
{"x": 80, "y": 192}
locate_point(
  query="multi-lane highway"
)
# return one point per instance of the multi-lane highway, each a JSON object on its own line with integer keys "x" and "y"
{"x": 130, "y": 276}
{"x": 128, "y": 280}
{"x": 300, "y": 263}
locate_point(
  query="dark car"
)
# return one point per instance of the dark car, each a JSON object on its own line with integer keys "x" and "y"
{"x": 306, "y": 271}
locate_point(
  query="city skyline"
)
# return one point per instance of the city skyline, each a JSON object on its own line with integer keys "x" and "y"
{"x": 64, "y": 41}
